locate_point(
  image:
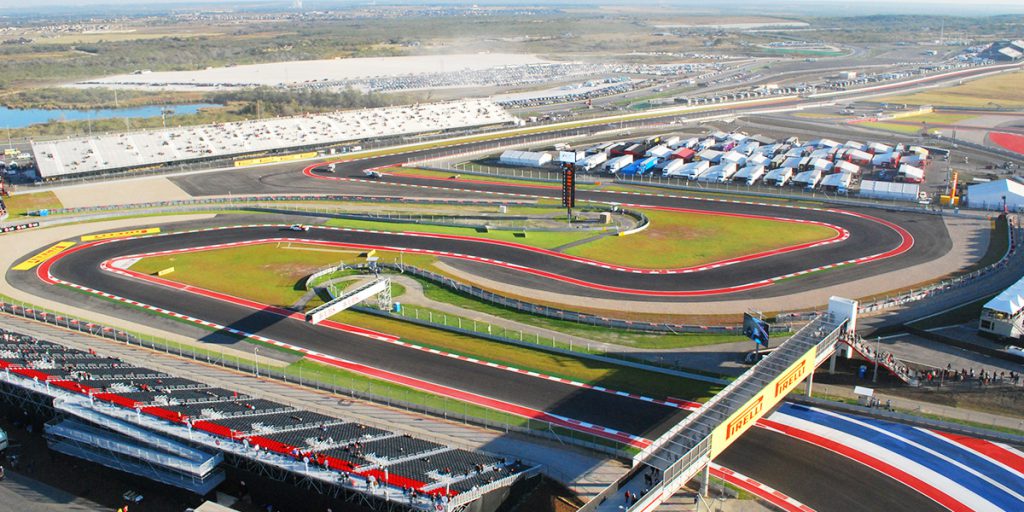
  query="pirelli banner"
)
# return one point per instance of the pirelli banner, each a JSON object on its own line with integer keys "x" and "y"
{"x": 275, "y": 159}
{"x": 769, "y": 397}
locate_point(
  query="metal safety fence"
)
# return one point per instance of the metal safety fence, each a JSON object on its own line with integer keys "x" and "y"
{"x": 567, "y": 315}
{"x": 339, "y": 383}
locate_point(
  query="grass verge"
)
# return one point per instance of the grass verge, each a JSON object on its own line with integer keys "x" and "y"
{"x": 679, "y": 239}
{"x": 597, "y": 333}
{"x": 1002, "y": 90}
{"x": 19, "y": 205}
{"x": 223, "y": 274}
{"x": 609, "y": 375}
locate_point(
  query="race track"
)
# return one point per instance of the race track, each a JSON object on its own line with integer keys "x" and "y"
{"x": 869, "y": 242}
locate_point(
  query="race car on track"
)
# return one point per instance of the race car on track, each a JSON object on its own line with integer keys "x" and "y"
{"x": 298, "y": 227}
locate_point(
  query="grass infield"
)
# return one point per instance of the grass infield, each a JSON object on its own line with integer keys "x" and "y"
{"x": 677, "y": 239}
{"x": 282, "y": 272}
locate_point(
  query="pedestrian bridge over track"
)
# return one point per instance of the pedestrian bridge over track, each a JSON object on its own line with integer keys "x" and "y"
{"x": 691, "y": 445}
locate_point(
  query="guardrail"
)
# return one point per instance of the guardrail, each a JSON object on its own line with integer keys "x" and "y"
{"x": 924, "y": 292}
{"x": 567, "y": 315}
{"x": 251, "y": 199}
{"x": 537, "y": 343}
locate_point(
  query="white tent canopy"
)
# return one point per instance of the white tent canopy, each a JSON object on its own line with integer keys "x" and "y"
{"x": 1011, "y": 301}
{"x": 989, "y": 196}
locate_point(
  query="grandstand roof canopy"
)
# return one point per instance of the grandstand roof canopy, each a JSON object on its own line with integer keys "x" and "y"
{"x": 1011, "y": 301}
{"x": 99, "y": 153}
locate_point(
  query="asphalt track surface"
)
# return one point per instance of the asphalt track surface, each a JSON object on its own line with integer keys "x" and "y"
{"x": 819, "y": 478}
{"x": 838, "y": 484}
{"x": 82, "y": 267}
{"x": 868, "y": 236}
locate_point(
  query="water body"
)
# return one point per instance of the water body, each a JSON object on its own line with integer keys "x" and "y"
{"x": 17, "y": 118}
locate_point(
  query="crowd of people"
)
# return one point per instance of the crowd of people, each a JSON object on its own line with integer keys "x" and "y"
{"x": 982, "y": 377}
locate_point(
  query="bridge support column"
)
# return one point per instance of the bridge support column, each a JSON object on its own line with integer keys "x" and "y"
{"x": 705, "y": 485}
{"x": 810, "y": 383}
{"x": 832, "y": 362}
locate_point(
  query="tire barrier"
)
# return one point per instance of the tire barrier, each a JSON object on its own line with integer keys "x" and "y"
{"x": 18, "y": 227}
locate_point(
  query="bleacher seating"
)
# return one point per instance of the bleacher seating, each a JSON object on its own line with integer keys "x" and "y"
{"x": 328, "y": 436}
{"x": 399, "y": 447}
{"x": 288, "y": 431}
{"x": 98, "y": 153}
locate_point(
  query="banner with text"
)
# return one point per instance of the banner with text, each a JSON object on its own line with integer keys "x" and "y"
{"x": 120, "y": 234}
{"x": 760, "y": 404}
{"x": 31, "y": 263}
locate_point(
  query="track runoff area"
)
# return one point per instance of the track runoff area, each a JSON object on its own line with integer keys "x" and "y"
{"x": 865, "y": 242}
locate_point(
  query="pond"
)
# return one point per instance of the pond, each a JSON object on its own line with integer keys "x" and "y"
{"x": 18, "y": 118}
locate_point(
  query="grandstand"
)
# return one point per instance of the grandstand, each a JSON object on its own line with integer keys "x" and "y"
{"x": 178, "y": 432}
{"x": 122, "y": 151}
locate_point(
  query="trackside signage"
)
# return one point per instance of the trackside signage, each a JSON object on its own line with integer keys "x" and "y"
{"x": 344, "y": 302}
{"x": 769, "y": 397}
{"x": 121, "y": 234}
{"x": 32, "y": 262}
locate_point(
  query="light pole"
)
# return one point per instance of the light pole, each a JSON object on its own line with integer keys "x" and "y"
{"x": 256, "y": 359}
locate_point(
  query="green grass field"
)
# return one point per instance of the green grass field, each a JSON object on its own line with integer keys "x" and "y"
{"x": 592, "y": 332}
{"x": 1002, "y": 90}
{"x": 584, "y": 370}
{"x": 939, "y": 118}
{"x": 677, "y": 239}
{"x": 282, "y": 276}
{"x": 908, "y": 129}
{"x": 915, "y": 124}
{"x": 281, "y": 273}
{"x": 542, "y": 239}
{"x": 19, "y": 205}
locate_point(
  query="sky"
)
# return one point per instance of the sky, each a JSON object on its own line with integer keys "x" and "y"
{"x": 959, "y": 7}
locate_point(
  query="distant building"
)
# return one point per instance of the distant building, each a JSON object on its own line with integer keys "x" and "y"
{"x": 1004, "y": 51}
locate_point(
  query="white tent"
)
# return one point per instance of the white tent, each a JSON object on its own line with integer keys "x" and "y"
{"x": 989, "y": 196}
{"x": 524, "y": 158}
{"x": 1011, "y": 301}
